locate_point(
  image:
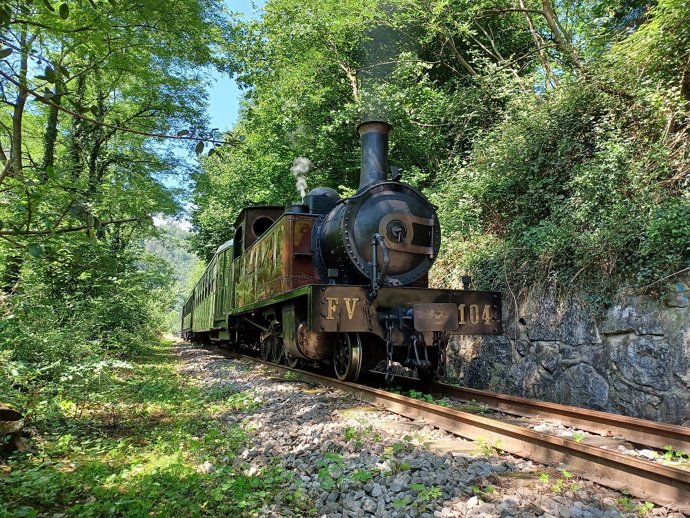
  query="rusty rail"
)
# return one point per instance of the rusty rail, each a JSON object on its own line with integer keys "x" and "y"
{"x": 657, "y": 483}
{"x": 638, "y": 431}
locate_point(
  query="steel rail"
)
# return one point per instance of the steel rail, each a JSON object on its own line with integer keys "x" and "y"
{"x": 638, "y": 431}
{"x": 640, "y": 478}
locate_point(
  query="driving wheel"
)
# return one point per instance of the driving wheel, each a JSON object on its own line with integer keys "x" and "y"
{"x": 265, "y": 349}
{"x": 292, "y": 361}
{"x": 347, "y": 356}
{"x": 277, "y": 352}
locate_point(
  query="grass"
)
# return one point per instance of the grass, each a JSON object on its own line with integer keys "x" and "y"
{"x": 149, "y": 443}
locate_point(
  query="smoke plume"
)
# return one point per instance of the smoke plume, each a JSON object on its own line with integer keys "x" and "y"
{"x": 300, "y": 168}
{"x": 382, "y": 48}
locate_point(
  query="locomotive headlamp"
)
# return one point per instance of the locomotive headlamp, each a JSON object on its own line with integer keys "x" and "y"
{"x": 396, "y": 231}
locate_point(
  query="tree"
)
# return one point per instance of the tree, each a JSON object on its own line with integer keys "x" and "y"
{"x": 553, "y": 135}
{"x": 91, "y": 82}
{"x": 94, "y": 97}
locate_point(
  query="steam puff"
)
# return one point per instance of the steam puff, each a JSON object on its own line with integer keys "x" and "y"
{"x": 300, "y": 167}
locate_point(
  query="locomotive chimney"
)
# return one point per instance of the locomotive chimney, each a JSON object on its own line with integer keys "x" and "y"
{"x": 374, "y": 136}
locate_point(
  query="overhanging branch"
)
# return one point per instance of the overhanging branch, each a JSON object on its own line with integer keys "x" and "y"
{"x": 65, "y": 230}
{"x": 115, "y": 127}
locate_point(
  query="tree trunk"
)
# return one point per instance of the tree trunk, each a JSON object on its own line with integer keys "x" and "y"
{"x": 78, "y": 134}
{"x": 561, "y": 38}
{"x": 20, "y": 103}
{"x": 539, "y": 42}
{"x": 50, "y": 136}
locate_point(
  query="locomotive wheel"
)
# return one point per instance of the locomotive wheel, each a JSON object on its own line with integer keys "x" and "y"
{"x": 265, "y": 349}
{"x": 277, "y": 351}
{"x": 292, "y": 361}
{"x": 347, "y": 356}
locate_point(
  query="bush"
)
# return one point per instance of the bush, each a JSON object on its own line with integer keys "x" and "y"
{"x": 570, "y": 188}
{"x": 75, "y": 311}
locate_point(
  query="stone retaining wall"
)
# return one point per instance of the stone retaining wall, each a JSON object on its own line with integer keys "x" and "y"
{"x": 633, "y": 361}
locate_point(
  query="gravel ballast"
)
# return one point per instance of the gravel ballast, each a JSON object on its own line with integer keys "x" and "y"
{"x": 350, "y": 459}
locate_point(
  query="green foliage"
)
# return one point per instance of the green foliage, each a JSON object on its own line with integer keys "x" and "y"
{"x": 567, "y": 189}
{"x": 474, "y": 408}
{"x": 401, "y": 503}
{"x": 170, "y": 243}
{"x": 331, "y": 470}
{"x": 578, "y": 436}
{"x": 564, "y": 483}
{"x": 359, "y": 434}
{"x": 426, "y": 494}
{"x": 137, "y": 447}
{"x": 671, "y": 455}
{"x": 81, "y": 308}
{"x": 422, "y": 396}
{"x": 483, "y": 490}
{"x": 645, "y": 508}
{"x": 362, "y": 475}
{"x": 625, "y": 503}
{"x": 80, "y": 181}
{"x": 556, "y": 153}
{"x": 291, "y": 376}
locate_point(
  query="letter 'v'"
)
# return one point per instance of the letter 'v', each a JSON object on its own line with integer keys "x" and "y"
{"x": 350, "y": 305}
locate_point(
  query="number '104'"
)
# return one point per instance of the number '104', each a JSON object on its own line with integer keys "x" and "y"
{"x": 470, "y": 314}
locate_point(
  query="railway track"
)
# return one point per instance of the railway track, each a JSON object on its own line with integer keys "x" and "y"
{"x": 663, "y": 485}
{"x": 638, "y": 431}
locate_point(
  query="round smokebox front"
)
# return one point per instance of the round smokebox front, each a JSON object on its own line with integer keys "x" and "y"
{"x": 396, "y": 211}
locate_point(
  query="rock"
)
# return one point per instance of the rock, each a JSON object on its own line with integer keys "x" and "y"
{"x": 642, "y": 360}
{"x": 583, "y": 383}
{"x": 679, "y": 295}
{"x": 350, "y": 503}
{"x": 297, "y": 431}
{"x": 376, "y": 491}
{"x": 380, "y": 506}
{"x": 648, "y": 454}
{"x": 481, "y": 469}
{"x": 487, "y": 509}
{"x": 369, "y": 505}
{"x": 522, "y": 376}
{"x": 397, "y": 487}
{"x": 508, "y": 507}
{"x": 547, "y": 355}
{"x": 207, "y": 467}
{"x": 11, "y": 426}
{"x": 479, "y": 373}
{"x": 636, "y": 354}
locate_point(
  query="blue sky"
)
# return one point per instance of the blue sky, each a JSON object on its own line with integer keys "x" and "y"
{"x": 223, "y": 110}
{"x": 224, "y": 96}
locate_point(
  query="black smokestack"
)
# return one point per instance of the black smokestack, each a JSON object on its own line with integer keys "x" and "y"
{"x": 374, "y": 135}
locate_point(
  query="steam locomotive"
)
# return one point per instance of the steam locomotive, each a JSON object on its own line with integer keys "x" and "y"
{"x": 340, "y": 281}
